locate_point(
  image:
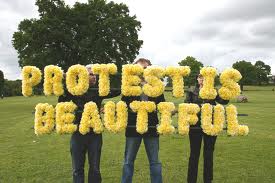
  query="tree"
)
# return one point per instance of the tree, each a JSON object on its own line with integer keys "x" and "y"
{"x": 1, "y": 83}
{"x": 12, "y": 88}
{"x": 93, "y": 32}
{"x": 248, "y": 72}
{"x": 195, "y": 67}
{"x": 263, "y": 71}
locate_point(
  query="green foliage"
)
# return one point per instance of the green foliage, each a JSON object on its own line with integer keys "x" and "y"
{"x": 262, "y": 71}
{"x": 2, "y": 80}
{"x": 248, "y": 72}
{"x": 12, "y": 88}
{"x": 93, "y": 32}
{"x": 195, "y": 67}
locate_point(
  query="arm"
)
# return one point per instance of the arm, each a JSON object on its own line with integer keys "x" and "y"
{"x": 221, "y": 101}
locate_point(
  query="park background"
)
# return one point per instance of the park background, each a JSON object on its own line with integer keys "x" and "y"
{"x": 221, "y": 34}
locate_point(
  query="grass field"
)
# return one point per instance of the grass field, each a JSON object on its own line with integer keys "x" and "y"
{"x": 25, "y": 157}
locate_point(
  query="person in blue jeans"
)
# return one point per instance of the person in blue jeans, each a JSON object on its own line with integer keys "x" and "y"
{"x": 134, "y": 139}
{"x": 90, "y": 143}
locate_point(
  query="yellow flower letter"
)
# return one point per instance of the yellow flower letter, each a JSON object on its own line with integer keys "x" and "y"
{"x": 206, "y": 119}
{"x": 187, "y": 115}
{"x": 154, "y": 86}
{"x": 44, "y": 119}
{"x": 233, "y": 127}
{"x": 65, "y": 117}
{"x": 142, "y": 108}
{"x": 131, "y": 80}
{"x": 166, "y": 109}
{"x": 230, "y": 88}
{"x": 104, "y": 71}
{"x": 208, "y": 91}
{"x": 77, "y": 79}
{"x": 177, "y": 74}
{"x": 31, "y": 76}
{"x": 110, "y": 108}
{"x": 53, "y": 76}
{"x": 90, "y": 119}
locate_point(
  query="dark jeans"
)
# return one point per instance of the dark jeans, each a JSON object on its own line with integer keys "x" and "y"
{"x": 152, "y": 150}
{"x": 195, "y": 138}
{"x": 80, "y": 144}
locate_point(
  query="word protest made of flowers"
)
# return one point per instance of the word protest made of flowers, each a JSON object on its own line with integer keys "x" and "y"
{"x": 62, "y": 116}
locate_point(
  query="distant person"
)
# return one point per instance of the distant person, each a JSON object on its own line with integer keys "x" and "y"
{"x": 196, "y": 135}
{"x": 91, "y": 142}
{"x": 134, "y": 139}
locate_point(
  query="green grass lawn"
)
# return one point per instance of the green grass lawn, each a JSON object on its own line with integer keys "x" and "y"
{"x": 24, "y": 157}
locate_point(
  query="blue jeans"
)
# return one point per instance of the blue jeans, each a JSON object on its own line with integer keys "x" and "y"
{"x": 80, "y": 144}
{"x": 152, "y": 150}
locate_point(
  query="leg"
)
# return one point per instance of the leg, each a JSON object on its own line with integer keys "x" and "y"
{"x": 208, "y": 150}
{"x": 152, "y": 150}
{"x": 94, "y": 146}
{"x": 131, "y": 149}
{"x": 78, "y": 151}
{"x": 195, "y": 138}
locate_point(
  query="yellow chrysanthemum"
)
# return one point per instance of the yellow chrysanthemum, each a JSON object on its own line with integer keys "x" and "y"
{"x": 208, "y": 91}
{"x": 187, "y": 115}
{"x": 177, "y": 74}
{"x": 53, "y": 76}
{"x": 90, "y": 119}
{"x": 233, "y": 127}
{"x": 31, "y": 76}
{"x": 206, "y": 119}
{"x": 77, "y": 80}
{"x": 230, "y": 88}
{"x": 166, "y": 109}
{"x": 44, "y": 119}
{"x": 154, "y": 86}
{"x": 65, "y": 117}
{"x": 110, "y": 108}
{"x": 142, "y": 108}
{"x": 104, "y": 71}
{"x": 131, "y": 80}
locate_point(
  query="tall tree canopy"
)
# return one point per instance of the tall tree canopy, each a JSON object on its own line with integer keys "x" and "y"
{"x": 248, "y": 72}
{"x": 93, "y": 32}
{"x": 262, "y": 70}
{"x": 195, "y": 67}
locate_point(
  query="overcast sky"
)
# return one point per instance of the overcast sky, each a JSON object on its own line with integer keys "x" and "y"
{"x": 216, "y": 32}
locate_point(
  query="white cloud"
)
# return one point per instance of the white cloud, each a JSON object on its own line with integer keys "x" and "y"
{"x": 216, "y": 32}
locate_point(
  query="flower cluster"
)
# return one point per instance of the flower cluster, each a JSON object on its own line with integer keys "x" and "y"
{"x": 233, "y": 127}
{"x": 31, "y": 76}
{"x": 206, "y": 119}
{"x": 65, "y": 117}
{"x": 187, "y": 115}
{"x": 44, "y": 119}
{"x": 77, "y": 79}
{"x": 142, "y": 108}
{"x": 53, "y": 76}
{"x": 90, "y": 119}
{"x": 131, "y": 80}
{"x": 177, "y": 74}
{"x": 104, "y": 70}
{"x": 154, "y": 86}
{"x": 166, "y": 109}
{"x": 110, "y": 108}
{"x": 208, "y": 91}
{"x": 230, "y": 88}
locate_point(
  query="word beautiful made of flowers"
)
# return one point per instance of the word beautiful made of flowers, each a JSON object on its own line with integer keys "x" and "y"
{"x": 115, "y": 116}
